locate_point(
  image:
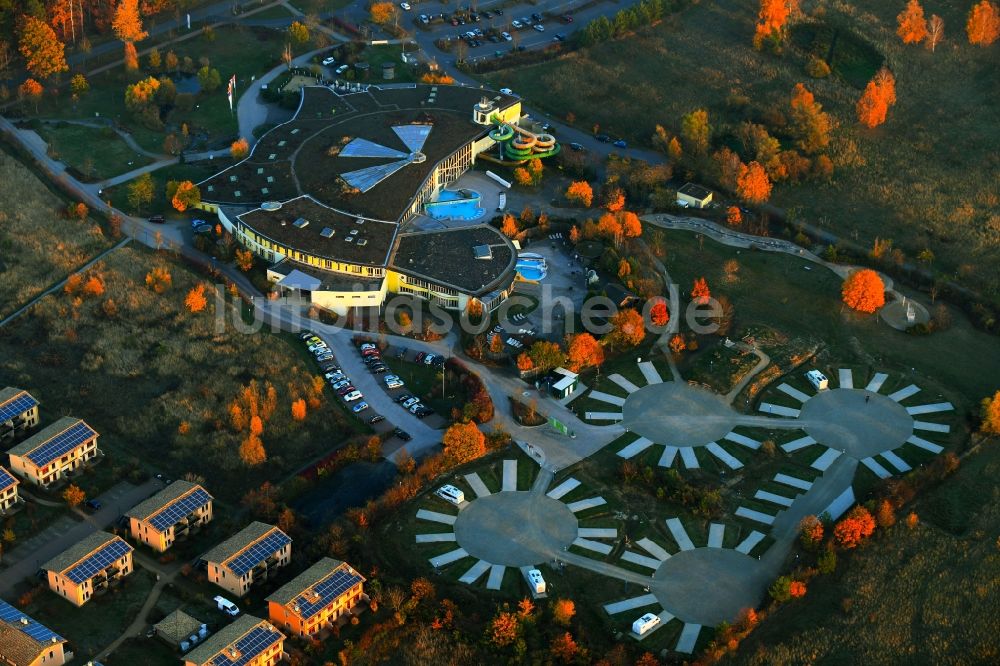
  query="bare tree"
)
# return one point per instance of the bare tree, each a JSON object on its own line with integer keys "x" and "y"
{"x": 935, "y": 32}
{"x": 5, "y": 54}
{"x": 286, "y": 55}
{"x": 461, "y": 50}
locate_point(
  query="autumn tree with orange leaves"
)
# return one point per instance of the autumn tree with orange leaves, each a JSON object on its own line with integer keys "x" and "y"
{"x": 563, "y": 611}
{"x": 239, "y": 149}
{"x": 797, "y": 589}
{"x": 810, "y": 124}
{"x": 580, "y": 193}
{"x": 864, "y": 291}
{"x": 628, "y": 329}
{"x": 753, "y": 184}
{"x": 195, "y": 300}
{"x": 810, "y": 532}
{"x": 700, "y": 293}
{"x": 854, "y": 528}
{"x": 991, "y": 415}
{"x": 463, "y": 442}
{"x": 564, "y": 648}
{"x": 127, "y": 25}
{"x": 912, "y": 24}
{"x": 44, "y": 54}
{"x": 659, "y": 314}
{"x": 583, "y": 351}
{"x": 983, "y": 26}
{"x": 508, "y": 227}
{"x": 613, "y": 199}
{"x": 879, "y": 95}
{"x": 183, "y": 195}
{"x": 733, "y": 216}
{"x": 299, "y": 409}
{"x": 772, "y": 20}
{"x": 505, "y": 628}
{"x": 31, "y": 91}
{"x": 524, "y": 362}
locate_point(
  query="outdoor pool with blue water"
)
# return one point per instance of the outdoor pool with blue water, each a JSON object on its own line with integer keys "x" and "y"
{"x": 531, "y": 267}
{"x": 452, "y": 205}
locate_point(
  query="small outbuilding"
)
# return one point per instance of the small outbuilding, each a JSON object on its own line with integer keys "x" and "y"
{"x": 694, "y": 196}
{"x": 179, "y": 628}
{"x": 565, "y": 383}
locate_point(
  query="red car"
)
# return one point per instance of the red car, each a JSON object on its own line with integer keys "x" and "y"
{"x": 566, "y": 18}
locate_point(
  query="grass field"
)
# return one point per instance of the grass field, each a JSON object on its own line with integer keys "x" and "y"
{"x": 38, "y": 247}
{"x": 195, "y": 172}
{"x": 78, "y": 146}
{"x": 234, "y": 50}
{"x": 775, "y": 290}
{"x": 932, "y": 190}
{"x": 139, "y": 370}
{"x": 918, "y": 592}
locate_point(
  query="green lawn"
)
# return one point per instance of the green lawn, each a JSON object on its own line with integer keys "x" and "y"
{"x": 97, "y": 154}
{"x": 101, "y": 620}
{"x": 775, "y": 290}
{"x": 234, "y": 50}
{"x": 194, "y": 172}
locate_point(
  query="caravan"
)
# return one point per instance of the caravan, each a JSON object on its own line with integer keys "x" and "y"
{"x": 645, "y": 624}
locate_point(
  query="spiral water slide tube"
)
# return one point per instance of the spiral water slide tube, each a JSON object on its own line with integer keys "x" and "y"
{"x": 520, "y": 144}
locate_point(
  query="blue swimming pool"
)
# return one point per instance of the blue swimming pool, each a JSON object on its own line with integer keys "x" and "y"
{"x": 531, "y": 267}
{"x": 455, "y": 205}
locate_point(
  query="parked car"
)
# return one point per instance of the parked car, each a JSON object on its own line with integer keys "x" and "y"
{"x": 227, "y": 606}
{"x": 576, "y": 146}
{"x": 536, "y": 16}
{"x": 344, "y": 390}
{"x": 559, "y": 37}
{"x": 395, "y": 384}
{"x": 539, "y": 27}
{"x": 505, "y": 36}
{"x": 403, "y": 398}
{"x": 402, "y": 434}
{"x": 340, "y": 70}
{"x": 93, "y": 504}
{"x": 412, "y": 401}
{"x": 498, "y": 12}
{"x": 341, "y": 383}
{"x": 620, "y": 143}
{"x": 352, "y": 396}
{"x": 603, "y": 138}
{"x": 414, "y": 408}
{"x": 566, "y": 18}
{"x": 430, "y": 359}
{"x": 360, "y": 407}
{"x": 378, "y": 368}
{"x": 516, "y": 24}
{"x": 405, "y": 6}
{"x": 329, "y": 61}
{"x": 425, "y": 19}
{"x": 375, "y": 419}
{"x": 157, "y": 219}
{"x": 423, "y": 412}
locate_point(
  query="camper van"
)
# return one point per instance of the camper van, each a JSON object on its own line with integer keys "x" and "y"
{"x": 536, "y": 581}
{"x": 451, "y": 494}
{"x": 818, "y": 380}
{"x": 645, "y": 623}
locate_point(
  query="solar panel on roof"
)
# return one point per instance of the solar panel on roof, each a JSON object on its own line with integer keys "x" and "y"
{"x": 366, "y": 148}
{"x": 300, "y": 222}
{"x": 6, "y": 479}
{"x": 366, "y": 179}
{"x": 26, "y": 624}
{"x": 61, "y": 444}
{"x": 413, "y": 136}
{"x": 19, "y": 405}
{"x": 327, "y": 232}
{"x": 99, "y": 561}
{"x": 326, "y": 591}
{"x": 184, "y": 506}
{"x": 259, "y": 552}
{"x": 252, "y": 644}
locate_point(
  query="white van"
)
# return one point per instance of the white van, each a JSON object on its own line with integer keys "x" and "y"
{"x": 536, "y": 581}
{"x": 227, "y": 606}
{"x": 818, "y": 380}
{"x": 645, "y": 623}
{"x": 451, "y": 494}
